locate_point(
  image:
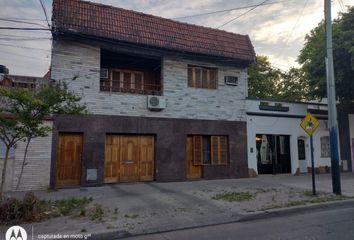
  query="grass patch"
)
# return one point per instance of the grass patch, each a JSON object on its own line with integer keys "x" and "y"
{"x": 31, "y": 209}
{"x": 233, "y": 196}
{"x": 314, "y": 199}
{"x": 65, "y": 207}
{"x": 97, "y": 213}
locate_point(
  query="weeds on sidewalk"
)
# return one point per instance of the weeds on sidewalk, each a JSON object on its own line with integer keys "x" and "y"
{"x": 65, "y": 207}
{"x": 311, "y": 199}
{"x": 32, "y": 209}
{"x": 234, "y": 196}
{"x": 97, "y": 213}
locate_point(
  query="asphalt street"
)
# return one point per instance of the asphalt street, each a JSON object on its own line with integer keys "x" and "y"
{"x": 325, "y": 224}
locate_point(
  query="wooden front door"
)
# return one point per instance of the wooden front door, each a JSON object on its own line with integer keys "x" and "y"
{"x": 193, "y": 171}
{"x": 112, "y": 160}
{"x": 68, "y": 167}
{"x": 129, "y": 158}
{"x": 147, "y": 156}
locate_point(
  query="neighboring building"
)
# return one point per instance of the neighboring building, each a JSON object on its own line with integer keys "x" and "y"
{"x": 166, "y": 99}
{"x": 277, "y": 143}
{"x": 37, "y": 168}
{"x": 346, "y": 133}
{"x": 28, "y": 82}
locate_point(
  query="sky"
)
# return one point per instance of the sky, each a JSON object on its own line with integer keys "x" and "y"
{"x": 277, "y": 29}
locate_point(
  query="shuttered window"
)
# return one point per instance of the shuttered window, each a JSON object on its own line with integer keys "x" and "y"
{"x": 210, "y": 150}
{"x": 197, "y": 150}
{"x": 202, "y": 77}
{"x": 123, "y": 80}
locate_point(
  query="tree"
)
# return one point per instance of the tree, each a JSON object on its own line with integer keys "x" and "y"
{"x": 266, "y": 81}
{"x": 293, "y": 85}
{"x": 312, "y": 58}
{"x": 23, "y": 112}
{"x": 263, "y": 79}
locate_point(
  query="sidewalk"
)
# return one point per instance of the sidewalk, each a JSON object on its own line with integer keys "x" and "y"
{"x": 139, "y": 208}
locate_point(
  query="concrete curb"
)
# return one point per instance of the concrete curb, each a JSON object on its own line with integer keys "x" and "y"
{"x": 243, "y": 218}
{"x": 279, "y": 212}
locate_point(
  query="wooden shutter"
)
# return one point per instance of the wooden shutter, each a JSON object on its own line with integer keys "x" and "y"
{"x": 190, "y": 77}
{"x": 214, "y": 150}
{"x": 115, "y": 85}
{"x": 198, "y": 77}
{"x": 223, "y": 150}
{"x": 212, "y": 79}
{"x": 219, "y": 150}
{"x": 138, "y": 81}
{"x": 197, "y": 150}
{"x": 127, "y": 80}
{"x": 205, "y": 78}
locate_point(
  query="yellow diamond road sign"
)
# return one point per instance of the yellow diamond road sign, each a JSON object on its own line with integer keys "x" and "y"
{"x": 309, "y": 124}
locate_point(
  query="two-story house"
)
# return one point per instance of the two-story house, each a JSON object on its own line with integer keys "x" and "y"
{"x": 166, "y": 99}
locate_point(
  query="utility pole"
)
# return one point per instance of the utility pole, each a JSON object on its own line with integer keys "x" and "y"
{"x": 332, "y": 110}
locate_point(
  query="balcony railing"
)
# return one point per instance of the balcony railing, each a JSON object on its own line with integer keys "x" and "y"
{"x": 128, "y": 87}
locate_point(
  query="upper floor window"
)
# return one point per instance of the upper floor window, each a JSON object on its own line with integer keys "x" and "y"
{"x": 202, "y": 77}
{"x": 119, "y": 80}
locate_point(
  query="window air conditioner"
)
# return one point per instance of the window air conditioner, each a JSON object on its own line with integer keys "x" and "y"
{"x": 156, "y": 102}
{"x": 231, "y": 80}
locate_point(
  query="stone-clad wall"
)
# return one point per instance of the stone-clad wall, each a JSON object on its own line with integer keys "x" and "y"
{"x": 36, "y": 173}
{"x": 70, "y": 59}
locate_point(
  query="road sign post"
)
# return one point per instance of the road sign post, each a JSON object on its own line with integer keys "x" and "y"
{"x": 312, "y": 167}
{"x": 310, "y": 124}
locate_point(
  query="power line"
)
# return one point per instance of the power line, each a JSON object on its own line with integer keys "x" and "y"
{"x": 26, "y": 29}
{"x": 227, "y": 10}
{"x": 21, "y": 21}
{"x": 293, "y": 29}
{"x": 45, "y": 13}
{"x": 233, "y": 19}
{"x": 341, "y": 5}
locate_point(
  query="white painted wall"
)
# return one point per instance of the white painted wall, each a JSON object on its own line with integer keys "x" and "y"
{"x": 36, "y": 174}
{"x": 351, "y": 127}
{"x": 283, "y": 126}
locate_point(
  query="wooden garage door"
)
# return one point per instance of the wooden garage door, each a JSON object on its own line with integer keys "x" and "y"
{"x": 68, "y": 167}
{"x": 129, "y": 158}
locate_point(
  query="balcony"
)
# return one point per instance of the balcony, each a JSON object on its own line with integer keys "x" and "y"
{"x": 130, "y": 74}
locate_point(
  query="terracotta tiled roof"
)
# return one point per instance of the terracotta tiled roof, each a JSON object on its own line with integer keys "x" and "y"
{"x": 81, "y": 17}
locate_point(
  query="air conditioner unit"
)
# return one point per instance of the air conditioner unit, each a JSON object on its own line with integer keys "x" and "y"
{"x": 104, "y": 73}
{"x": 156, "y": 102}
{"x": 231, "y": 80}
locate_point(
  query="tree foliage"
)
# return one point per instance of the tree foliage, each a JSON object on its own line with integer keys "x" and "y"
{"x": 266, "y": 81}
{"x": 263, "y": 79}
{"x": 23, "y": 111}
{"x": 312, "y": 58}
